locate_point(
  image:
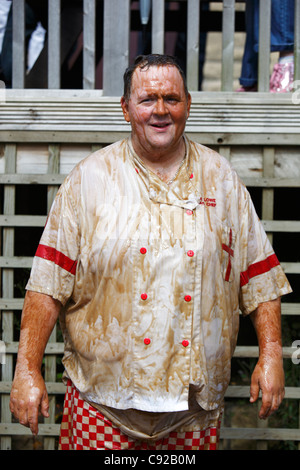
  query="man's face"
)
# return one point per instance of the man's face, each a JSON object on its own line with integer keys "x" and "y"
{"x": 157, "y": 110}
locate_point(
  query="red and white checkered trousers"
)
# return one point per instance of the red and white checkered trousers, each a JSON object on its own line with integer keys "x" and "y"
{"x": 85, "y": 428}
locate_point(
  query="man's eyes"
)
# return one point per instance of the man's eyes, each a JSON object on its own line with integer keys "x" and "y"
{"x": 168, "y": 99}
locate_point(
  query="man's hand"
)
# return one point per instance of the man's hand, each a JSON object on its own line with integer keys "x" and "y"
{"x": 268, "y": 376}
{"x": 29, "y": 394}
{"x": 28, "y": 397}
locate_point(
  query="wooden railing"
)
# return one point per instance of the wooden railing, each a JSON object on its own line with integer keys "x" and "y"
{"x": 119, "y": 17}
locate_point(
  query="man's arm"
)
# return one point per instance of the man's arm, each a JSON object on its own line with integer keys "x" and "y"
{"x": 29, "y": 393}
{"x": 268, "y": 375}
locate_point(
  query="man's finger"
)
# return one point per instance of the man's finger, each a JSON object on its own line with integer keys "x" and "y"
{"x": 13, "y": 406}
{"x": 271, "y": 403}
{"x": 22, "y": 416}
{"x": 254, "y": 391}
{"x": 45, "y": 405}
{"x": 267, "y": 403}
{"x": 33, "y": 416}
{"x": 264, "y": 411}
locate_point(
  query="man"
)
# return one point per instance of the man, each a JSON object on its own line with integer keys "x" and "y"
{"x": 151, "y": 247}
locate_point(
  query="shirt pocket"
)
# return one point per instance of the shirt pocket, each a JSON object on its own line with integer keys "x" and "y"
{"x": 228, "y": 246}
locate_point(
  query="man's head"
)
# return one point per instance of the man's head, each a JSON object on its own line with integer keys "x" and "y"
{"x": 157, "y": 104}
{"x": 144, "y": 62}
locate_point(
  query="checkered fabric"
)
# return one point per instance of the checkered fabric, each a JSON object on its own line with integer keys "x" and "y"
{"x": 85, "y": 428}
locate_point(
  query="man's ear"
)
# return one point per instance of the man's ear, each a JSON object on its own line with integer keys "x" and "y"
{"x": 189, "y": 102}
{"x": 124, "y": 105}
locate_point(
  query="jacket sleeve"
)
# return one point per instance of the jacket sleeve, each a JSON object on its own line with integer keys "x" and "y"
{"x": 261, "y": 275}
{"x": 54, "y": 264}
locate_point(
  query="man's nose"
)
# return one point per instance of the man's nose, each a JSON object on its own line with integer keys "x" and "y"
{"x": 160, "y": 107}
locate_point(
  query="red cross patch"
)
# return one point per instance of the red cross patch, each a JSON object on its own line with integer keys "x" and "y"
{"x": 229, "y": 250}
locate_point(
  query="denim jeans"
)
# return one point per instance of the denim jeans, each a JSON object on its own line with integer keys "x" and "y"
{"x": 282, "y": 35}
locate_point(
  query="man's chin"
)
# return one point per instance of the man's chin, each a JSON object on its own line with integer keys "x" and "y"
{"x": 161, "y": 140}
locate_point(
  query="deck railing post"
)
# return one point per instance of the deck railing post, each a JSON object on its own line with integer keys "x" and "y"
{"x": 115, "y": 45}
{"x": 228, "y": 25}
{"x": 264, "y": 45}
{"x": 89, "y": 44}
{"x": 158, "y": 26}
{"x": 297, "y": 40}
{"x": 54, "y": 43}
{"x": 193, "y": 34}
{"x": 18, "y": 46}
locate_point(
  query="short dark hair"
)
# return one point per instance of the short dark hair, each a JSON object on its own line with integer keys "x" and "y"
{"x": 150, "y": 60}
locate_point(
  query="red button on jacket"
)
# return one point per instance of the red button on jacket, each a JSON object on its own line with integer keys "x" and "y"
{"x": 185, "y": 343}
{"x": 144, "y": 296}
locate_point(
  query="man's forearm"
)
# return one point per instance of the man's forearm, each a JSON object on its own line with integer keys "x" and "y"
{"x": 267, "y": 323}
{"x": 268, "y": 375}
{"x": 39, "y": 316}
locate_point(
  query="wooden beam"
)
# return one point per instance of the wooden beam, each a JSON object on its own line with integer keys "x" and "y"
{"x": 158, "y": 27}
{"x": 89, "y": 44}
{"x": 193, "y": 36}
{"x": 18, "y": 45}
{"x": 115, "y": 46}
{"x": 270, "y": 434}
{"x": 264, "y": 45}
{"x": 228, "y": 28}
{"x": 54, "y": 43}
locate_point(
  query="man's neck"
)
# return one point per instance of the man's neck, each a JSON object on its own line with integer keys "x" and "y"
{"x": 165, "y": 166}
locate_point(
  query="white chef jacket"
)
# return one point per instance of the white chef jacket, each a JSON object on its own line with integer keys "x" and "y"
{"x": 152, "y": 277}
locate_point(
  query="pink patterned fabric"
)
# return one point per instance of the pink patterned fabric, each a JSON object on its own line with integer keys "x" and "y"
{"x": 282, "y": 78}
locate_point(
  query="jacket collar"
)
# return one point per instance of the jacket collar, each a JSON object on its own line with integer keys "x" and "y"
{"x": 181, "y": 192}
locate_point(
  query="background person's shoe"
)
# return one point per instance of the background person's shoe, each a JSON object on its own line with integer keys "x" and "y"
{"x": 282, "y": 78}
{"x": 247, "y": 88}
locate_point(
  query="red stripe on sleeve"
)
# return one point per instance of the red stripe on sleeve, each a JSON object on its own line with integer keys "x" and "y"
{"x": 51, "y": 254}
{"x": 259, "y": 268}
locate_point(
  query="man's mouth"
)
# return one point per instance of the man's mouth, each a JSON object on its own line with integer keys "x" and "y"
{"x": 160, "y": 125}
